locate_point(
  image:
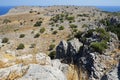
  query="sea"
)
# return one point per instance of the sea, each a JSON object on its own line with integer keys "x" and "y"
{"x": 5, "y": 9}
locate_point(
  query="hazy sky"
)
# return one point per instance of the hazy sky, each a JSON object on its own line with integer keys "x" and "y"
{"x": 60, "y": 2}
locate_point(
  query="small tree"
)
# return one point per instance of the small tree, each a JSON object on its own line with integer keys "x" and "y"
{"x": 20, "y": 46}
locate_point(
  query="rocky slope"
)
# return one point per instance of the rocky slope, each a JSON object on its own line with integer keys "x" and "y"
{"x": 58, "y": 43}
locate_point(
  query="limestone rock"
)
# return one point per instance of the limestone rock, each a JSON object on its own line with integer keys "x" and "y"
{"x": 12, "y": 72}
{"x": 38, "y": 72}
{"x": 114, "y": 74}
{"x": 43, "y": 59}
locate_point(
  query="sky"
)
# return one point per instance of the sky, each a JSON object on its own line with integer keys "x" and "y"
{"x": 59, "y": 2}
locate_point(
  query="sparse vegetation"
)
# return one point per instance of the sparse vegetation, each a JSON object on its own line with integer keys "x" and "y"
{"x": 38, "y": 23}
{"x": 52, "y": 54}
{"x": 84, "y": 25}
{"x": 51, "y": 47}
{"x": 6, "y": 21}
{"x": 61, "y": 28}
{"x": 36, "y": 35}
{"x": 32, "y": 45}
{"x": 5, "y": 40}
{"x": 20, "y": 46}
{"x": 22, "y": 36}
{"x": 54, "y": 32}
{"x": 42, "y": 30}
{"x": 73, "y": 26}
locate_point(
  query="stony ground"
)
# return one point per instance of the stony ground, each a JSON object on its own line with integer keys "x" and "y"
{"x": 21, "y": 20}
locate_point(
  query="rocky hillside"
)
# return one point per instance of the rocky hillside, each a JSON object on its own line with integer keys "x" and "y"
{"x": 62, "y": 42}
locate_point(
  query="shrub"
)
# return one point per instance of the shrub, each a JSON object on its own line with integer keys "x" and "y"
{"x": 99, "y": 46}
{"x": 70, "y": 18}
{"x": 42, "y": 30}
{"x": 52, "y": 54}
{"x": 38, "y": 23}
{"x": 20, "y": 46}
{"x": 84, "y": 25}
{"x": 32, "y": 45}
{"x": 73, "y": 26}
{"x": 22, "y": 35}
{"x": 52, "y": 46}
{"x": 37, "y": 35}
{"x": 89, "y": 33}
{"x": 61, "y": 28}
{"x": 6, "y": 21}
{"x": 54, "y": 32}
{"x": 78, "y": 34}
{"x": 5, "y": 40}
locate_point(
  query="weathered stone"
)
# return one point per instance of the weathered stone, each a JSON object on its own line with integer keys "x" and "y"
{"x": 38, "y": 72}
{"x": 43, "y": 59}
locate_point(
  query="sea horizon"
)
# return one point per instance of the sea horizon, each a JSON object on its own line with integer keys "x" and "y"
{"x": 5, "y": 9}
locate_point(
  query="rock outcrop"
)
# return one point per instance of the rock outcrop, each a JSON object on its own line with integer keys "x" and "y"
{"x": 31, "y": 72}
{"x": 66, "y": 51}
{"x": 34, "y": 67}
{"x": 88, "y": 62}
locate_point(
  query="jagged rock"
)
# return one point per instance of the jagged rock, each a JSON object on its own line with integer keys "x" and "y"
{"x": 46, "y": 72}
{"x": 61, "y": 49}
{"x": 93, "y": 62}
{"x": 114, "y": 74}
{"x": 68, "y": 50}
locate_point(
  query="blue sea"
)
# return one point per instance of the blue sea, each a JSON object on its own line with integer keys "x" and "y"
{"x": 5, "y": 9}
{"x": 109, "y": 8}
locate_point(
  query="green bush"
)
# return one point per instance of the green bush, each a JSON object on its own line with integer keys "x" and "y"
{"x": 70, "y": 18}
{"x": 61, "y": 28}
{"x": 37, "y": 35}
{"x": 52, "y": 46}
{"x": 38, "y": 23}
{"x": 52, "y": 54}
{"x": 54, "y": 32}
{"x": 5, "y": 40}
{"x": 22, "y": 35}
{"x": 20, "y": 46}
{"x": 99, "y": 46}
{"x": 42, "y": 30}
{"x": 73, "y": 26}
